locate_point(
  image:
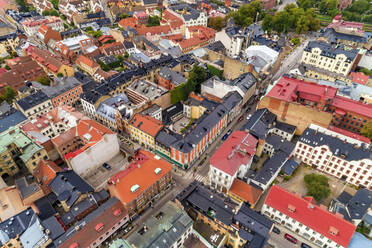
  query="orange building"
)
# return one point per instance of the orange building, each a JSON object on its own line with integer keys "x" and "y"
{"x": 141, "y": 182}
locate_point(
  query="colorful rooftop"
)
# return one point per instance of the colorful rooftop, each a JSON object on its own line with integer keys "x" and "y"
{"x": 237, "y": 150}
{"x": 305, "y": 211}
{"x": 146, "y": 169}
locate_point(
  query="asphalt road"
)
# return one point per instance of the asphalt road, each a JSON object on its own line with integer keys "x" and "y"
{"x": 278, "y": 240}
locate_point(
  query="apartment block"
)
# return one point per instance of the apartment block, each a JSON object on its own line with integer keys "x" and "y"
{"x": 336, "y": 155}
{"x": 302, "y": 216}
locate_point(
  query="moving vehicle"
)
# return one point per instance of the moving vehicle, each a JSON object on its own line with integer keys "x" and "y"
{"x": 290, "y": 238}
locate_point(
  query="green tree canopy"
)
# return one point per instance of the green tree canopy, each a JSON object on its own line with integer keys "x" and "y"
{"x": 44, "y": 80}
{"x": 317, "y": 186}
{"x": 366, "y": 130}
{"x": 268, "y": 23}
{"x": 153, "y": 21}
{"x": 247, "y": 14}
{"x": 9, "y": 94}
{"x": 217, "y": 23}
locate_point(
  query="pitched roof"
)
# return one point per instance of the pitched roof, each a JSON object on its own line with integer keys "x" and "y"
{"x": 45, "y": 171}
{"x": 128, "y": 22}
{"x": 237, "y": 150}
{"x": 311, "y": 215}
{"x": 146, "y": 123}
{"x": 146, "y": 169}
{"x": 245, "y": 191}
{"x": 87, "y": 61}
{"x": 143, "y": 30}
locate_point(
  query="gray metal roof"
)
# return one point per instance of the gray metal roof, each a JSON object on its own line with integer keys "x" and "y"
{"x": 231, "y": 100}
{"x": 360, "y": 203}
{"x": 26, "y": 189}
{"x": 331, "y": 51}
{"x": 164, "y": 228}
{"x": 9, "y": 116}
{"x": 280, "y": 144}
{"x": 54, "y": 227}
{"x": 188, "y": 13}
{"x": 176, "y": 78}
{"x": 32, "y": 100}
{"x": 16, "y": 225}
{"x": 334, "y": 36}
{"x": 270, "y": 167}
{"x": 260, "y": 123}
{"x": 68, "y": 186}
{"x": 338, "y": 147}
{"x": 208, "y": 202}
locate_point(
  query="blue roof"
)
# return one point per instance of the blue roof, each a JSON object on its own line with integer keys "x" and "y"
{"x": 33, "y": 236}
{"x": 11, "y": 120}
{"x": 107, "y": 108}
{"x": 289, "y": 166}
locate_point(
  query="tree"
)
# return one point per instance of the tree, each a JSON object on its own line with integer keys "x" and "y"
{"x": 366, "y": 130}
{"x": 124, "y": 15}
{"x": 306, "y": 4}
{"x": 217, "y": 23}
{"x": 247, "y": 14}
{"x": 55, "y": 3}
{"x": 295, "y": 41}
{"x": 153, "y": 21}
{"x": 44, "y": 80}
{"x": 268, "y": 23}
{"x": 59, "y": 74}
{"x": 7, "y": 67}
{"x": 302, "y": 25}
{"x": 213, "y": 71}
{"x": 51, "y": 12}
{"x": 9, "y": 94}
{"x": 317, "y": 186}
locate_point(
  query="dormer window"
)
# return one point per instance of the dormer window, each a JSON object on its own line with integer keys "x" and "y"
{"x": 291, "y": 208}
{"x": 333, "y": 230}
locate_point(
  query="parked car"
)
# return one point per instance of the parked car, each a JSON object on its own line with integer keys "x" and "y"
{"x": 240, "y": 118}
{"x": 226, "y": 135}
{"x": 106, "y": 166}
{"x": 290, "y": 238}
{"x": 248, "y": 109}
{"x": 276, "y": 230}
{"x": 303, "y": 245}
{"x": 249, "y": 116}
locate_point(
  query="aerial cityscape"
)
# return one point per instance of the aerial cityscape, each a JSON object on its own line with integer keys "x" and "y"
{"x": 185, "y": 123}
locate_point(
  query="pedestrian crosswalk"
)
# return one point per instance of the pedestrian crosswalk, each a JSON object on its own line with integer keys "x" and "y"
{"x": 202, "y": 179}
{"x": 195, "y": 176}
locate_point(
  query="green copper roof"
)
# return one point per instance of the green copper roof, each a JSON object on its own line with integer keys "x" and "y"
{"x": 15, "y": 136}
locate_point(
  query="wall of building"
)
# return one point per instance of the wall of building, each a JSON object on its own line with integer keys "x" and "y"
{"x": 95, "y": 155}
{"x": 296, "y": 114}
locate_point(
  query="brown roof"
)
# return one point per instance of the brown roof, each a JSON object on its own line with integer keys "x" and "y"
{"x": 165, "y": 29}
{"x": 22, "y": 70}
{"x": 97, "y": 227}
{"x": 85, "y": 60}
{"x": 245, "y": 191}
{"x": 146, "y": 123}
{"x": 46, "y": 58}
{"x": 112, "y": 47}
{"x": 45, "y": 172}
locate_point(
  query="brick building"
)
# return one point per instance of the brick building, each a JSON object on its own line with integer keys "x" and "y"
{"x": 301, "y": 103}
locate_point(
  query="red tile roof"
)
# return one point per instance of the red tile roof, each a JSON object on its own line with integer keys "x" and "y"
{"x": 237, "y": 150}
{"x": 97, "y": 227}
{"x": 311, "y": 215}
{"x": 87, "y": 61}
{"x": 288, "y": 88}
{"x": 46, "y": 171}
{"x": 128, "y": 22}
{"x": 140, "y": 172}
{"x": 350, "y": 105}
{"x": 245, "y": 191}
{"x": 143, "y": 30}
{"x": 359, "y": 77}
{"x": 350, "y": 134}
{"x": 146, "y": 123}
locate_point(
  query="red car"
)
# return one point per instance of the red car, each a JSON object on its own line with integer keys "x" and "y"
{"x": 240, "y": 119}
{"x": 290, "y": 238}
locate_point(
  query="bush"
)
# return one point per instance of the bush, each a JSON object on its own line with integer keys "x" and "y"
{"x": 295, "y": 41}
{"x": 44, "y": 80}
{"x": 213, "y": 71}
{"x": 317, "y": 186}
